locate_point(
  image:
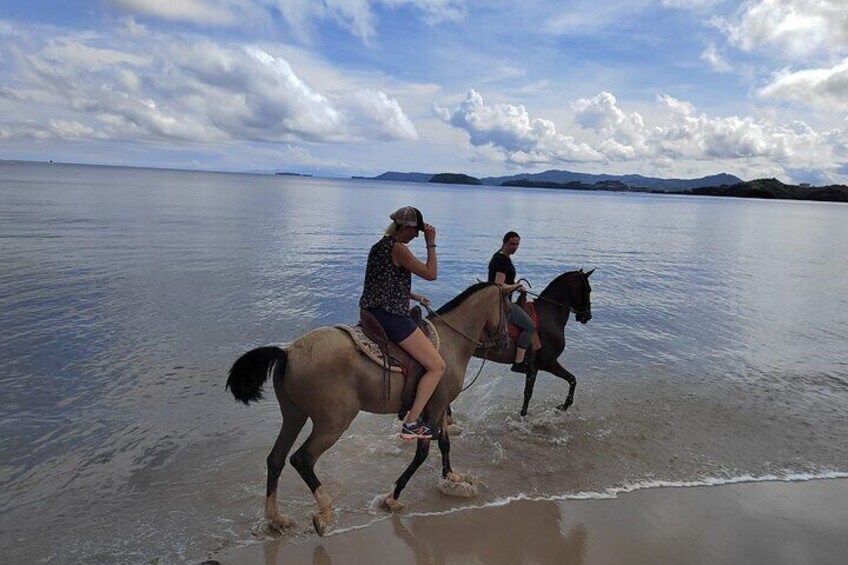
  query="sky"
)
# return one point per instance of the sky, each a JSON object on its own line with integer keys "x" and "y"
{"x": 666, "y": 88}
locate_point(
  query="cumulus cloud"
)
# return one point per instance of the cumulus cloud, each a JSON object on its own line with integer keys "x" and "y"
{"x": 510, "y": 130}
{"x": 192, "y": 90}
{"x": 826, "y": 88}
{"x": 795, "y": 27}
{"x": 680, "y": 133}
{"x": 623, "y": 136}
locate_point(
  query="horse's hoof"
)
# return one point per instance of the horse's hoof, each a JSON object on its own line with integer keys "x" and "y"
{"x": 280, "y": 522}
{"x": 389, "y": 503}
{"x": 455, "y": 477}
{"x": 563, "y": 407}
{"x": 523, "y": 413}
{"x": 321, "y": 519}
{"x": 462, "y": 488}
{"x": 320, "y": 527}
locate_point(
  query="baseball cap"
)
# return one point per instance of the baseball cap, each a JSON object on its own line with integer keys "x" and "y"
{"x": 408, "y": 216}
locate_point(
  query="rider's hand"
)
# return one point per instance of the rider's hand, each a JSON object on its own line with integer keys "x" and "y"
{"x": 429, "y": 234}
{"x": 424, "y": 300}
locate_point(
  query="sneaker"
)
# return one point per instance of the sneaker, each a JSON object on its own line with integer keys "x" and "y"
{"x": 415, "y": 430}
{"x": 520, "y": 367}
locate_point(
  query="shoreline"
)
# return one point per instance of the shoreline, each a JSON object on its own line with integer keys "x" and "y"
{"x": 765, "y": 521}
{"x": 724, "y": 191}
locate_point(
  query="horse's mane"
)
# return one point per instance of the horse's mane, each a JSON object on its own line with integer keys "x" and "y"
{"x": 549, "y": 289}
{"x": 461, "y": 298}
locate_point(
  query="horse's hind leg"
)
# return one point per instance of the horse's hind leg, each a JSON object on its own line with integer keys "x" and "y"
{"x": 293, "y": 421}
{"x": 324, "y": 434}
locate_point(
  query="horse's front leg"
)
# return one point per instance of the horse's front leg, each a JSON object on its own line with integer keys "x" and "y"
{"x": 452, "y": 482}
{"x": 558, "y": 370}
{"x": 390, "y": 501}
{"x": 529, "y": 383}
{"x": 444, "y": 447}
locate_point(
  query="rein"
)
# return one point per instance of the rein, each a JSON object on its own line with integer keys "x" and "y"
{"x": 480, "y": 345}
{"x": 572, "y": 308}
{"x": 501, "y": 332}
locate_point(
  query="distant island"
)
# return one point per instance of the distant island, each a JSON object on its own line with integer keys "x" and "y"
{"x": 293, "y": 174}
{"x": 454, "y": 178}
{"x": 773, "y": 188}
{"x": 715, "y": 185}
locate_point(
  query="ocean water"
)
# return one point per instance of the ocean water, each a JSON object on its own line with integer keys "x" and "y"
{"x": 716, "y": 352}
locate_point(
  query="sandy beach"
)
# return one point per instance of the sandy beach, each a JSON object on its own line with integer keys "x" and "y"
{"x": 761, "y": 522}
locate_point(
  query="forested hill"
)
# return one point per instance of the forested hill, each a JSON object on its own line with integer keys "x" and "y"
{"x": 773, "y": 188}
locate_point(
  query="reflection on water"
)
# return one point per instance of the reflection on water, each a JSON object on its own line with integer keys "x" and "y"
{"x": 521, "y": 532}
{"x": 716, "y": 347}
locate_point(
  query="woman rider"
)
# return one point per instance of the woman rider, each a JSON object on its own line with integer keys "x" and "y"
{"x": 502, "y": 272}
{"x": 386, "y": 294}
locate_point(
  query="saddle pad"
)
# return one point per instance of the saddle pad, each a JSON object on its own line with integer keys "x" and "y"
{"x": 370, "y": 348}
{"x": 515, "y": 331}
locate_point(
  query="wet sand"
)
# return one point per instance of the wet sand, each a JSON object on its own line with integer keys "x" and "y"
{"x": 764, "y": 522}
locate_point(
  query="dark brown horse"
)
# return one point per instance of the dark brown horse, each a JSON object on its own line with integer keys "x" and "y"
{"x": 323, "y": 377}
{"x": 569, "y": 292}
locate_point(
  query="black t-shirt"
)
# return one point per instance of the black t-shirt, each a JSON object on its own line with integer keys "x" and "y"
{"x": 501, "y": 263}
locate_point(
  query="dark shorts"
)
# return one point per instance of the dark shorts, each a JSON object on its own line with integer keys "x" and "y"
{"x": 397, "y": 327}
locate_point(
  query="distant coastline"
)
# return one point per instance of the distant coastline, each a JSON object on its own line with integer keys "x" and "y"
{"x": 715, "y": 185}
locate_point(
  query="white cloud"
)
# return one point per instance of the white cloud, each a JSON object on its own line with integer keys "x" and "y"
{"x": 795, "y": 27}
{"x": 357, "y": 16}
{"x": 825, "y": 88}
{"x": 679, "y": 135}
{"x": 581, "y": 17}
{"x": 212, "y": 12}
{"x": 374, "y": 115}
{"x": 694, "y": 136}
{"x": 183, "y": 89}
{"x": 509, "y": 130}
{"x": 715, "y": 59}
{"x": 624, "y": 134}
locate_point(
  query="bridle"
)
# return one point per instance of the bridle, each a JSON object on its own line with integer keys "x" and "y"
{"x": 496, "y": 340}
{"x": 576, "y": 311}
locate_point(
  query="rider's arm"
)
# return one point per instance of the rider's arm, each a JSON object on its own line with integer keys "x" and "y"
{"x": 403, "y": 257}
{"x": 500, "y": 280}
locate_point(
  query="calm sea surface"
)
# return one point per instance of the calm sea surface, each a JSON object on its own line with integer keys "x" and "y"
{"x": 716, "y": 352}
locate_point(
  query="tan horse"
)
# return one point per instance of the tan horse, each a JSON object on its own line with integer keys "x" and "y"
{"x": 323, "y": 377}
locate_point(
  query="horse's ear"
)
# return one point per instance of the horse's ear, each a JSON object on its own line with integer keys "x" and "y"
{"x": 589, "y": 274}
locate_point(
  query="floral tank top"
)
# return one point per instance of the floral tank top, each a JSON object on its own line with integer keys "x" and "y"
{"x": 387, "y": 286}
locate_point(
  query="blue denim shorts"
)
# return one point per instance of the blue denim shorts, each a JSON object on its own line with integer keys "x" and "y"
{"x": 397, "y": 327}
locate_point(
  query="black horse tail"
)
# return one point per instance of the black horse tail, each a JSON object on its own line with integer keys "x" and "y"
{"x": 252, "y": 369}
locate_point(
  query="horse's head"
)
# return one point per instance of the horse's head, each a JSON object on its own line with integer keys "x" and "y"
{"x": 572, "y": 290}
{"x": 580, "y": 296}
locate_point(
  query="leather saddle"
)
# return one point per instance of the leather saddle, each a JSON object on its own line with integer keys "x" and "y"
{"x": 530, "y": 308}
{"x": 394, "y": 356}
